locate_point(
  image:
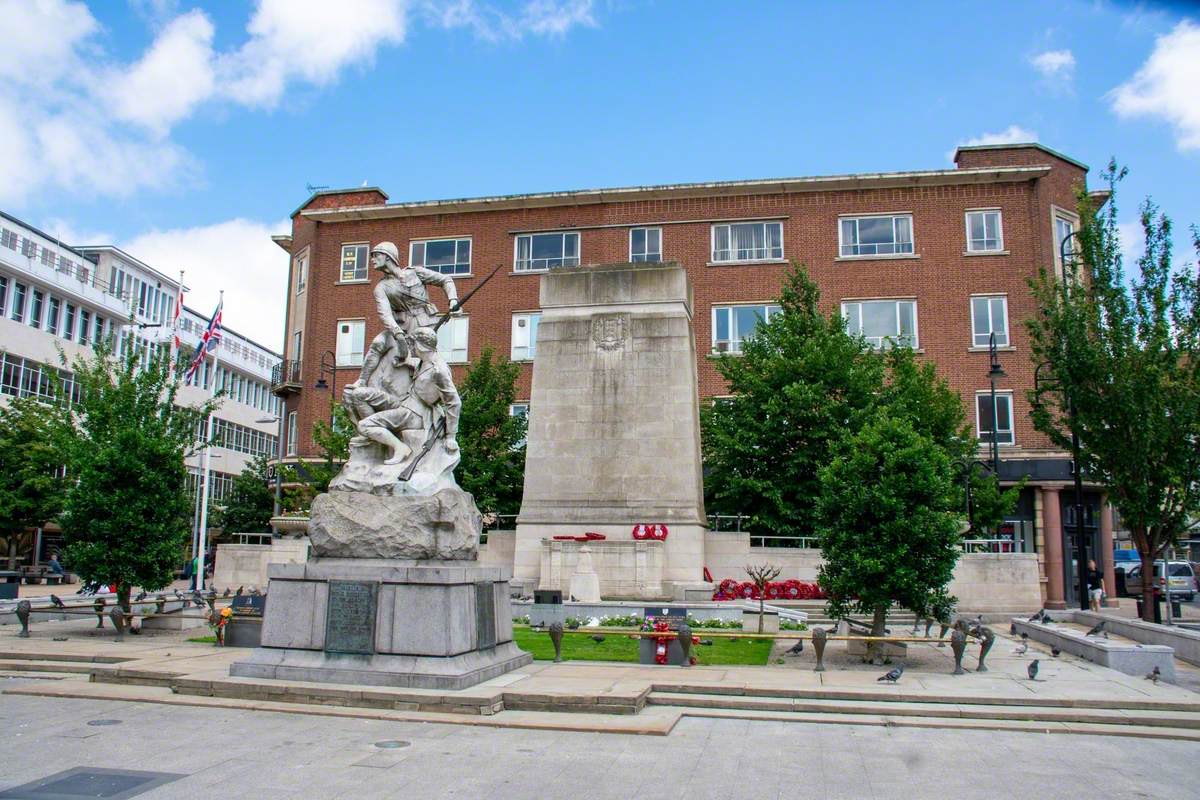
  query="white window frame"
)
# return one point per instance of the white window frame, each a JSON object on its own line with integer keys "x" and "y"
{"x": 301, "y": 262}
{"x": 366, "y": 247}
{"x": 53, "y": 314}
{"x": 578, "y": 257}
{"x": 344, "y": 353}
{"x": 298, "y": 346}
{"x": 735, "y": 341}
{"x": 733, "y": 259}
{"x": 291, "y": 433}
{"x": 20, "y": 300}
{"x": 458, "y": 240}
{"x": 647, "y": 255}
{"x": 1058, "y": 215}
{"x": 883, "y": 340}
{"x": 1002, "y": 337}
{"x": 999, "y": 248}
{"x": 512, "y": 409}
{"x": 455, "y": 355}
{"x": 855, "y": 218}
{"x": 530, "y": 348}
{"x": 1001, "y": 433}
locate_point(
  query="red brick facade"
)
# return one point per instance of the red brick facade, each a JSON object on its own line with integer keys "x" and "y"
{"x": 940, "y": 277}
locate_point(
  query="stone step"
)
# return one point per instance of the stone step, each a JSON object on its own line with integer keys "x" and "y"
{"x": 30, "y": 665}
{"x": 978, "y": 711}
{"x": 82, "y": 658}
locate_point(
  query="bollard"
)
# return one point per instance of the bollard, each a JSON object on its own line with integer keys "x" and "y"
{"x": 556, "y": 634}
{"x": 159, "y": 604}
{"x": 928, "y": 625}
{"x": 942, "y": 633}
{"x": 98, "y": 605}
{"x": 986, "y": 640}
{"x": 23, "y": 608}
{"x": 818, "y": 640}
{"x": 118, "y": 620}
{"x": 685, "y": 643}
{"x": 958, "y": 643}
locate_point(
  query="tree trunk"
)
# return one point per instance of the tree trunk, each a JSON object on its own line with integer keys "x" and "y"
{"x": 878, "y": 628}
{"x": 12, "y": 552}
{"x": 761, "y": 604}
{"x": 1148, "y": 582}
{"x": 123, "y": 590}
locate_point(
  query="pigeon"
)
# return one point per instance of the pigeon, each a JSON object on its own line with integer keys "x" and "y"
{"x": 573, "y": 624}
{"x": 597, "y": 639}
{"x": 1024, "y": 637}
{"x": 57, "y": 601}
{"x": 178, "y": 596}
{"x": 255, "y": 592}
{"x": 1012, "y": 629}
{"x": 1022, "y": 649}
{"x": 706, "y": 642}
{"x": 141, "y": 596}
{"x": 1054, "y": 651}
{"x": 1032, "y": 669}
{"x": 1097, "y": 630}
{"x": 1037, "y": 617}
{"x": 239, "y": 592}
{"x": 228, "y": 591}
{"x": 796, "y": 649}
{"x": 892, "y": 676}
{"x": 198, "y": 598}
{"x": 1154, "y": 675}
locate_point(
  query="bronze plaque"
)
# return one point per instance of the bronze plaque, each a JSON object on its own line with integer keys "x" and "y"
{"x": 350, "y": 617}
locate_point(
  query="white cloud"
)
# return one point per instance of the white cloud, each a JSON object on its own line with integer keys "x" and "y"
{"x": 236, "y": 255}
{"x": 1166, "y": 85}
{"x": 536, "y": 17}
{"x": 1013, "y": 134}
{"x": 556, "y": 18}
{"x": 68, "y": 234}
{"x": 1055, "y": 64}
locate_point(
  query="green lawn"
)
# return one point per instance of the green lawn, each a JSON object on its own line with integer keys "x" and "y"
{"x": 577, "y": 647}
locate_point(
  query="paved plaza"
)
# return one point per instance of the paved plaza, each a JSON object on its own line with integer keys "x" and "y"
{"x": 232, "y": 753}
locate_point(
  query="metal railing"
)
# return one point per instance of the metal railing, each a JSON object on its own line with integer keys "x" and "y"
{"x": 285, "y": 373}
{"x": 993, "y": 546}
{"x": 732, "y": 523}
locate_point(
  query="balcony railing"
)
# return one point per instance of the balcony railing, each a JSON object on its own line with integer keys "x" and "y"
{"x": 285, "y": 377}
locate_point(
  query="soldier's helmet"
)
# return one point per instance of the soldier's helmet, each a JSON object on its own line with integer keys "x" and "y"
{"x": 388, "y": 249}
{"x": 425, "y": 339}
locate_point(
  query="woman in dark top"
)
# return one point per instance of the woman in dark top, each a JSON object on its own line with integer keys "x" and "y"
{"x": 1095, "y": 585}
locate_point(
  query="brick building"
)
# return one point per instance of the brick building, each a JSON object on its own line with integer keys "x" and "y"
{"x": 939, "y": 259}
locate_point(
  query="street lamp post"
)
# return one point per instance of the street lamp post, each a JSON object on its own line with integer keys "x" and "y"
{"x": 1081, "y": 544}
{"x": 995, "y": 372}
{"x": 279, "y": 445}
{"x": 329, "y": 367}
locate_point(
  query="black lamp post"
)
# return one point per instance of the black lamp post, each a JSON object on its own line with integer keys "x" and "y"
{"x": 328, "y": 367}
{"x": 995, "y": 372}
{"x": 1068, "y": 267}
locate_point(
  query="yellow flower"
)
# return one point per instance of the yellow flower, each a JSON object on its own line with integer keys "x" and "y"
{"x": 227, "y": 612}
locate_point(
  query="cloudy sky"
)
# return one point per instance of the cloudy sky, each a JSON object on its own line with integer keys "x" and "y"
{"x": 186, "y": 132}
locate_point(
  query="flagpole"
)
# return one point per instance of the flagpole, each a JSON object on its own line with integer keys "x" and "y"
{"x": 177, "y": 315}
{"x": 207, "y": 446}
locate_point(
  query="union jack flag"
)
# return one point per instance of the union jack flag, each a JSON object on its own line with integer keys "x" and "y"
{"x": 208, "y": 342}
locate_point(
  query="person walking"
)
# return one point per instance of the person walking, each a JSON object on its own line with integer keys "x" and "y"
{"x": 1095, "y": 586}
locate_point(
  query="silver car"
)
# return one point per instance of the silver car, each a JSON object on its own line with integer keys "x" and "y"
{"x": 1183, "y": 580}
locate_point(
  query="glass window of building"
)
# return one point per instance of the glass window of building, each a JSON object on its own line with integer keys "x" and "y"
{"x": 1002, "y": 413}
{"x": 447, "y": 256}
{"x": 354, "y": 262}
{"x": 350, "y": 336}
{"x": 890, "y": 234}
{"x": 524, "y": 336}
{"x": 747, "y": 241}
{"x": 733, "y": 325}
{"x": 989, "y": 315}
{"x": 883, "y": 323}
{"x": 984, "y": 233}
{"x": 539, "y": 251}
{"x": 18, "y": 305}
{"x": 645, "y": 244}
{"x": 452, "y": 340}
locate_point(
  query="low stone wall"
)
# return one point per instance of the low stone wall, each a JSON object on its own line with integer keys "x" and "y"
{"x": 1131, "y": 659}
{"x": 722, "y": 611}
{"x": 499, "y": 549}
{"x": 628, "y": 568}
{"x": 1185, "y": 643}
{"x": 246, "y": 564}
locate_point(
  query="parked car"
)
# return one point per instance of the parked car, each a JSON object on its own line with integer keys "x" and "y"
{"x": 1182, "y": 577}
{"x": 1125, "y": 560}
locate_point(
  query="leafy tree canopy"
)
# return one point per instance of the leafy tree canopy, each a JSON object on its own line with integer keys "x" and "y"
{"x": 490, "y": 438}
{"x": 251, "y": 500}
{"x": 32, "y": 489}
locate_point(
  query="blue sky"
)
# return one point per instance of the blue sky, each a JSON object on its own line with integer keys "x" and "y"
{"x": 187, "y": 132}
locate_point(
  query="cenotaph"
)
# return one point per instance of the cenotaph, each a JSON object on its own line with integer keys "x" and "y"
{"x": 614, "y": 435}
{"x": 392, "y": 595}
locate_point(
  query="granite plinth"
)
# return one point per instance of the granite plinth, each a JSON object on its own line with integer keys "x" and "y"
{"x": 433, "y": 624}
{"x": 444, "y": 525}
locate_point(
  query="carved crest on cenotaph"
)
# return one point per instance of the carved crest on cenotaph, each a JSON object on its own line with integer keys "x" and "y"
{"x": 609, "y": 331}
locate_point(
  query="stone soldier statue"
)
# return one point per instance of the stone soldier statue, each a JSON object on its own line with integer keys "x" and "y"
{"x": 403, "y": 305}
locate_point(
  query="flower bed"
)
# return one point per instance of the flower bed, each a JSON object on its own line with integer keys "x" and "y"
{"x": 791, "y": 589}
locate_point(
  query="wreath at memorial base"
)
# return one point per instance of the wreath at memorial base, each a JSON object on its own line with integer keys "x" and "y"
{"x": 791, "y": 589}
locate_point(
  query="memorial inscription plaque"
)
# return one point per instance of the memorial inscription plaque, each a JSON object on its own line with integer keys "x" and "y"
{"x": 485, "y": 615}
{"x": 350, "y": 617}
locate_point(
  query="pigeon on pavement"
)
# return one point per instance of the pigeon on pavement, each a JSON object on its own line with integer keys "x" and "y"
{"x": 892, "y": 676}
{"x": 1022, "y": 648}
{"x": 57, "y": 601}
{"x": 238, "y": 593}
{"x": 1097, "y": 630}
{"x": 1032, "y": 669}
{"x": 1154, "y": 676}
{"x": 796, "y": 649}
{"x": 1054, "y": 651}
{"x": 1037, "y": 617}
{"x": 1012, "y": 629}
{"x": 227, "y": 592}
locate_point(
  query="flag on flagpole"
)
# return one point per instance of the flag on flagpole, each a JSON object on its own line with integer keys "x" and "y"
{"x": 208, "y": 342}
{"x": 176, "y": 344}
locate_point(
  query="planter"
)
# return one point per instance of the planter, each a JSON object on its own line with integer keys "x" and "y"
{"x": 290, "y": 525}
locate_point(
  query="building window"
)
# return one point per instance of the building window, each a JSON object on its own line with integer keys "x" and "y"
{"x": 447, "y": 256}
{"x": 301, "y": 271}
{"x": 1063, "y": 230}
{"x": 350, "y": 333}
{"x": 69, "y": 323}
{"x": 883, "y": 323}
{"x": 8, "y": 239}
{"x": 35, "y": 310}
{"x": 29, "y": 248}
{"x": 984, "y": 232}
{"x": 1003, "y": 417}
{"x": 876, "y": 236}
{"x": 47, "y": 257}
{"x": 519, "y": 410}
{"x": 989, "y": 315}
{"x": 3, "y": 294}
{"x": 524, "y": 336}
{"x": 291, "y": 433}
{"x": 85, "y": 322}
{"x": 452, "y": 340}
{"x": 297, "y": 344}
{"x": 53, "y": 315}
{"x": 354, "y": 262}
{"x": 645, "y": 244}
{"x": 18, "y": 307}
{"x": 98, "y": 329}
{"x": 538, "y": 251}
{"x": 747, "y": 241}
{"x": 733, "y": 325}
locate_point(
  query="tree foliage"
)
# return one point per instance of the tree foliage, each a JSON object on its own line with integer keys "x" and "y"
{"x": 32, "y": 489}
{"x": 127, "y": 513}
{"x": 1121, "y": 359}
{"x": 306, "y": 478}
{"x": 251, "y": 500}
{"x": 890, "y": 519}
{"x": 490, "y": 438}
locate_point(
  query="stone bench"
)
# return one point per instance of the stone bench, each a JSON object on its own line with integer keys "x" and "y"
{"x": 1131, "y": 659}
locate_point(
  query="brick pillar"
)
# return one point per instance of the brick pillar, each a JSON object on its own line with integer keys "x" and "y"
{"x": 1052, "y": 524}
{"x": 1105, "y": 556}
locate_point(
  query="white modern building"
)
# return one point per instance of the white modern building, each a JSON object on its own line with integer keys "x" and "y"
{"x": 54, "y": 295}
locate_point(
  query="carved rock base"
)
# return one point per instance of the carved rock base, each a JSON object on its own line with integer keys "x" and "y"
{"x": 443, "y": 526}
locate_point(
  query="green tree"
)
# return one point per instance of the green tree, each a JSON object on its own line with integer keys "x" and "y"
{"x": 490, "y": 438}
{"x": 31, "y": 459}
{"x": 251, "y": 500}
{"x": 1121, "y": 355}
{"x": 305, "y": 479}
{"x": 890, "y": 521}
{"x": 127, "y": 514}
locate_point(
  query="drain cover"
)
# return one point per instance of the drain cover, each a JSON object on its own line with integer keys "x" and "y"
{"x": 99, "y": 723}
{"x": 392, "y": 744}
{"x": 80, "y": 782}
